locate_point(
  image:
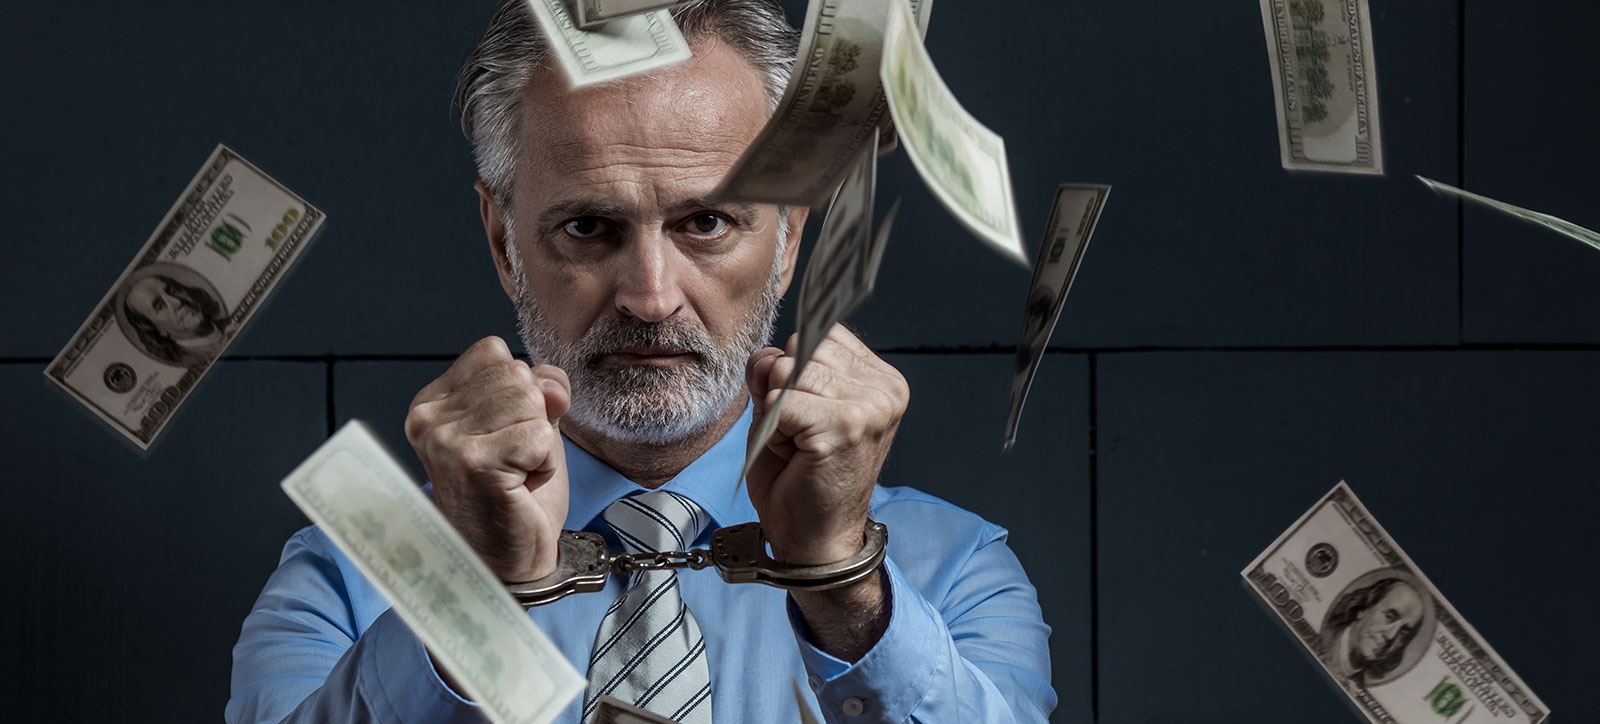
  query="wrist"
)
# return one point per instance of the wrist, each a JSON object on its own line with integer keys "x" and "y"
{"x": 846, "y": 622}
{"x": 821, "y": 552}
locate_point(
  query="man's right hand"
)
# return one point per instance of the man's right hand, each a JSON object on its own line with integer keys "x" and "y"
{"x": 486, "y": 434}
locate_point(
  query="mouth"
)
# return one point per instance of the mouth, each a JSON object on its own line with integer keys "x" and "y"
{"x": 647, "y": 357}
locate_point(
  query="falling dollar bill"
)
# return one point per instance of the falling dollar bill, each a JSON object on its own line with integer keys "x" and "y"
{"x": 626, "y": 46}
{"x": 612, "y": 710}
{"x": 1560, "y": 226}
{"x": 594, "y": 13}
{"x": 963, "y": 163}
{"x": 1325, "y": 84}
{"x": 840, "y": 275}
{"x": 1379, "y": 627}
{"x": 833, "y": 105}
{"x": 374, "y": 512}
{"x": 1072, "y": 220}
{"x": 207, "y": 268}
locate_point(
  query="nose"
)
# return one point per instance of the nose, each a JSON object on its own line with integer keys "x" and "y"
{"x": 648, "y": 278}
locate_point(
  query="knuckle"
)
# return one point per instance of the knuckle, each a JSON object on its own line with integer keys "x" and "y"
{"x": 491, "y": 346}
{"x": 516, "y": 372}
{"x": 550, "y": 372}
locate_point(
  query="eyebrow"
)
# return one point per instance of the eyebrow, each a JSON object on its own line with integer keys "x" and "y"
{"x": 739, "y": 208}
{"x": 578, "y": 208}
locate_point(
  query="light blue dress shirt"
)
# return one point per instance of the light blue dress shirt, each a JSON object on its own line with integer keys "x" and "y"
{"x": 966, "y": 643}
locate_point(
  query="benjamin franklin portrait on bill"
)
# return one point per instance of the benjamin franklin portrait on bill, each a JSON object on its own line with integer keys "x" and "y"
{"x": 1378, "y": 627}
{"x": 171, "y": 313}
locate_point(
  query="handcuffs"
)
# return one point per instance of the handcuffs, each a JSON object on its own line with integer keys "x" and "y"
{"x": 739, "y": 552}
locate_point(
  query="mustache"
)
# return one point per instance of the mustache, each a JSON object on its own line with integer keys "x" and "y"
{"x": 618, "y": 333}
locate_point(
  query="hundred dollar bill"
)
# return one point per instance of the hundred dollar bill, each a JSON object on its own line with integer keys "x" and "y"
{"x": 199, "y": 278}
{"x": 1379, "y": 627}
{"x": 963, "y": 163}
{"x": 833, "y": 104}
{"x": 614, "y": 711}
{"x": 1072, "y": 219}
{"x": 374, "y": 512}
{"x": 623, "y": 47}
{"x": 1325, "y": 84}
{"x": 1560, "y": 226}
{"x": 594, "y": 13}
{"x": 839, "y": 276}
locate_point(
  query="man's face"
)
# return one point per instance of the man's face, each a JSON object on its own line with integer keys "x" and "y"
{"x": 1387, "y": 624}
{"x": 647, "y": 293}
{"x": 165, "y": 306}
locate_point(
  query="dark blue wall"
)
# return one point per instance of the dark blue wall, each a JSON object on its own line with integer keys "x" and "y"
{"x": 1240, "y": 338}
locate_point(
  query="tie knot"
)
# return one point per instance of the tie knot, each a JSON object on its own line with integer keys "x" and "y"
{"x": 656, "y": 521}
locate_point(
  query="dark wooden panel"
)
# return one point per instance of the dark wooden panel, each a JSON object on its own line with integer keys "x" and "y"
{"x": 1478, "y": 463}
{"x": 131, "y": 576}
{"x": 1530, "y": 141}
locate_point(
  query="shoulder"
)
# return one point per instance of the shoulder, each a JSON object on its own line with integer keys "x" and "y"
{"x": 927, "y": 529}
{"x": 891, "y": 504}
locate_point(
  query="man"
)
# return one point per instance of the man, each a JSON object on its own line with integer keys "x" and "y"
{"x": 1371, "y": 628}
{"x": 646, "y": 306}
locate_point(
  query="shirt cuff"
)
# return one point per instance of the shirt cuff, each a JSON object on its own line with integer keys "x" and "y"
{"x": 890, "y": 681}
{"x": 398, "y": 671}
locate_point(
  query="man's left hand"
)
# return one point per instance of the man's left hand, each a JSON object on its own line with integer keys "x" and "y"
{"x": 812, "y": 482}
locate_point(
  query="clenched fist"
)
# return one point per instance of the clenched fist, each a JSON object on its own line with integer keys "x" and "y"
{"x": 486, "y": 433}
{"x": 812, "y": 482}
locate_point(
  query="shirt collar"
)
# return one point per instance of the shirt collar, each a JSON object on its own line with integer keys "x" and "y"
{"x": 712, "y": 481}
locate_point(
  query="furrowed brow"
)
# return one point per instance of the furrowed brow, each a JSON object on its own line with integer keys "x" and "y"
{"x": 577, "y": 208}
{"x": 746, "y": 210}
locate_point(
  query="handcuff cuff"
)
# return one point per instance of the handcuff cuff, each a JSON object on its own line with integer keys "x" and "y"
{"x": 739, "y": 552}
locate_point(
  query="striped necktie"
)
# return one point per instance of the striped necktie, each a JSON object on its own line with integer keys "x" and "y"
{"x": 649, "y": 651}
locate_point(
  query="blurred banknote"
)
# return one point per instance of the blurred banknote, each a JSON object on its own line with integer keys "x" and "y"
{"x": 839, "y": 276}
{"x": 206, "y": 269}
{"x": 1072, "y": 219}
{"x": 614, "y": 711}
{"x": 963, "y": 162}
{"x": 1325, "y": 84}
{"x": 1379, "y": 627}
{"x": 594, "y": 13}
{"x": 354, "y": 491}
{"x": 626, "y": 46}
{"x": 832, "y": 107}
{"x": 1560, "y": 226}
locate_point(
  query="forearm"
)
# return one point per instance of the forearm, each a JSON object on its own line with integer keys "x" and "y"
{"x": 846, "y": 622}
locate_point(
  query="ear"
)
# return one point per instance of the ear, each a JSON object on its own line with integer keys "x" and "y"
{"x": 796, "y": 219}
{"x": 494, "y": 227}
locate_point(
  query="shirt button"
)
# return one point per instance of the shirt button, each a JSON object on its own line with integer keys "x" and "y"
{"x": 815, "y": 682}
{"x": 853, "y": 707}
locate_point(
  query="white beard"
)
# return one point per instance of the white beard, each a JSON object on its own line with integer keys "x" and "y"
{"x": 647, "y": 404}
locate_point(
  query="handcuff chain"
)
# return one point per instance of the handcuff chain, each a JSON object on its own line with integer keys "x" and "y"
{"x": 739, "y": 553}
{"x": 694, "y": 560}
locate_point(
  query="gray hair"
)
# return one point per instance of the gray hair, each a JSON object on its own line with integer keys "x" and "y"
{"x": 490, "y": 85}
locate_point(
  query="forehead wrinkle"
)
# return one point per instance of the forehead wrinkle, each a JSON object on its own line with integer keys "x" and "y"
{"x": 580, "y": 157}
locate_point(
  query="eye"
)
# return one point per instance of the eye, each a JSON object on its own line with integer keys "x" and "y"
{"x": 706, "y": 224}
{"x": 585, "y": 227}
{"x": 158, "y": 304}
{"x": 1391, "y": 615}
